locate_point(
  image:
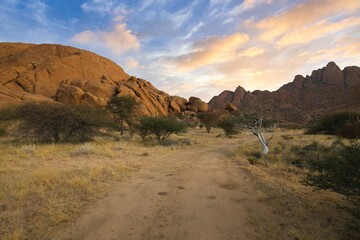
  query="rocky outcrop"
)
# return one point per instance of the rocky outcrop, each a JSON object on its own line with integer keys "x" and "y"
{"x": 235, "y": 98}
{"x": 198, "y": 104}
{"x": 326, "y": 89}
{"x": 50, "y": 72}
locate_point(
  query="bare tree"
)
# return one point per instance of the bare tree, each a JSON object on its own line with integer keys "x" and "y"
{"x": 255, "y": 125}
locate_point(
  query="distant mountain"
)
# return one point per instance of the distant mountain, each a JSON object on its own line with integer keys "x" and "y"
{"x": 325, "y": 90}
{"x": 52, "y": 72}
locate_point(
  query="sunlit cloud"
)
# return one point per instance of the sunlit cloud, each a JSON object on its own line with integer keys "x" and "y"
{"x": 302, "y": 15}
{"x": 210, "y": 51}
{"x": 318, "y": 30}
{"x": 252, "y": 52}
{"x": 119, "y": 40}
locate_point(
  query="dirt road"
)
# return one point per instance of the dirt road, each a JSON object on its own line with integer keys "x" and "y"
{"x": 201, "y": 193}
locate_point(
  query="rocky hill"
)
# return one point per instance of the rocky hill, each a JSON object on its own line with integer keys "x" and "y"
{"x": 51, "y": 72}
{"x": 326, "y": 89}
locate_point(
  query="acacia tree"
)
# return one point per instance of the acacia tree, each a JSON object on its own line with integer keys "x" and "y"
{"x": 122, "y": 108}
{"x": 54, "y": 122}
{"x": 209, "y": 119}
{"x": 229, "y": 125}
{"x": 160, "y": 127}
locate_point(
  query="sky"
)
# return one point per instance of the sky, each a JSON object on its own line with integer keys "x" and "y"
{"x": 200, "y": 47}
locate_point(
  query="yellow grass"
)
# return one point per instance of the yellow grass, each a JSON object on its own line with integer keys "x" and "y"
{"x": 280, "y": 147}
{"x": 45, "y": 185}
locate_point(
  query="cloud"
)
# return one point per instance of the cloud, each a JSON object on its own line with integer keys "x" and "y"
{"x": 130, "y": 63}
{"x": 217, "y": 2}
{"x": 194, "y": 30}
{"x": 252, "y": 52}
{"x": 167, "y": 24}
{"x": 99, "y": 6}
{"x": 303, "y": 15}
{"x": 246, "y": 5}
{"x": 119, "y": 40}
{"x": 348, "y": 48}
{"x": 210, "y": 51}
{"x": 308, "y": 34}
{"x": 37, "y": 10}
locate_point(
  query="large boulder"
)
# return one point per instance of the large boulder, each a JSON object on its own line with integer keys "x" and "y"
{"x": 68, "y": 94}
{"x": 200, "y": 105}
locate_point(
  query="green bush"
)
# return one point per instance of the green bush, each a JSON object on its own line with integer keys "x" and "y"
{"x": 343, "y": 124}
{"x": 123, "y": 110}
{"x": 2, "y": 132}
{"x": 254, "y": 157}
{"x": 53, "y": 122}
{"x": 160, "y": 127}
{"x": 208, "y": 119}
{"x": 229, "y": 125}
{"x": 337, "y": 168}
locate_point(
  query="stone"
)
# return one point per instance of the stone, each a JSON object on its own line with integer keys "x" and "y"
{"x": 68, "y": 94}
{"x": 199, "y": 104}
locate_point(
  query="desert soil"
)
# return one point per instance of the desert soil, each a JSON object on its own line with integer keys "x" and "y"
{"x": 205, "y": 192}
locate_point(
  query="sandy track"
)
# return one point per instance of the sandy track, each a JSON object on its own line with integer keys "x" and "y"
{"x": 193, "y": 193}
{"x": 198, "y": 194}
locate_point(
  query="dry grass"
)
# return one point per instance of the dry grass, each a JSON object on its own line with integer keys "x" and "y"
{"x": 280, "y": 153}
{"x": 45, "y": 185}
{"x": 309, "y": 214}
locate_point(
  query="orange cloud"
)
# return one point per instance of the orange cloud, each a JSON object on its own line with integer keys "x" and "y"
{"x": 302, "y": 15}
{"x": 252, "y": 52}
{"x": 119, "y": 40}
{"x": 347, "y": 47}
{"x": 311, "y": 33}
{"x": 210, "y": 51}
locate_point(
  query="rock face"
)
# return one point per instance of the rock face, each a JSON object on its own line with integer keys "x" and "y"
{"x": 327, "y": 89}
{"x": 50, "y": 72}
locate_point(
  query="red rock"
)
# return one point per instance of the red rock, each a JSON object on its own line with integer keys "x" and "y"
{"x": 74, "y": 76}
{"x": 327, "y": 89}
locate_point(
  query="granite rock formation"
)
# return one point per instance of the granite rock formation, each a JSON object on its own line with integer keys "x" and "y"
{"x": 52, "y": 72}
{"x": 325, "y": 90}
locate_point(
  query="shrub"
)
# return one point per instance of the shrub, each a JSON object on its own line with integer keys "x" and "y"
{"x": 337, "y": 169}
{"x": 2, "y": 131}
{"x": 286, "y": 137}
{"x": 253, "y": 157}
{"x": 84, "y": 149}
{"x": 229, "y": 125}
{"x": 28, "y": 148}
{"x": 343, "y": 124}
{"x": 160, "y": 127}
{"x": 208, "y": 119}
{"x": 52, "y": 122}
{"x": 123, "y": 110}
{"x": 269, "y": 123}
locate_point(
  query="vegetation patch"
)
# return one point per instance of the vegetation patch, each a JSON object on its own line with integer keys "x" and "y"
{"x": 161, "y": 128}
{"x": 45, "y": 185}
{"x": 50, "y": 122}
{"x": 343, "y": 124}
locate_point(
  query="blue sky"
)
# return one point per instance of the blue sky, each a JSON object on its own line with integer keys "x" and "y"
{"x": 200, "y": 47}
